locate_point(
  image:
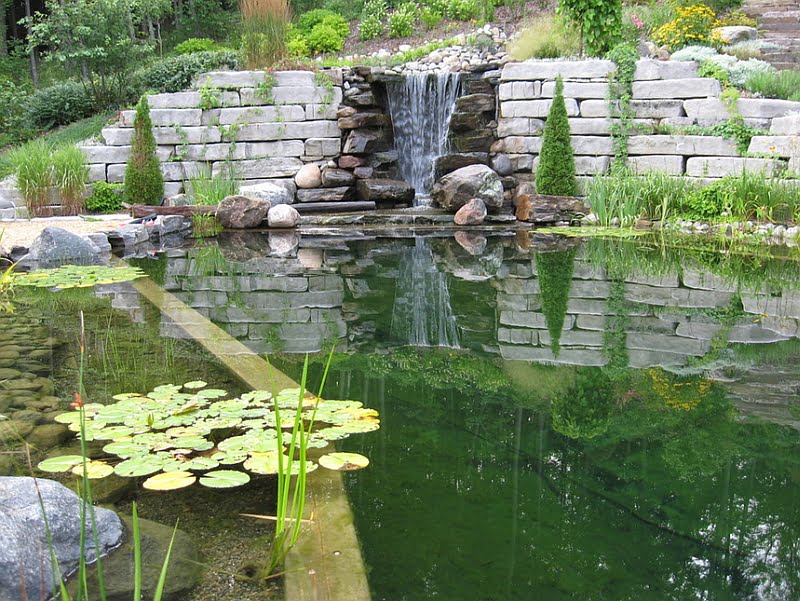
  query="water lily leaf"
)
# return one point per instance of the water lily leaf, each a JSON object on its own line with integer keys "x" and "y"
{"x": 60, "y": 464}
{"x": 126, "y": 396}
{"x": 113, "y": 433}
{"x": 200, "y": 464}
{"x": 256, "y": 396}
{"x": 211, "y": 393}
{"x": 359, "y": 426}
{"x": 94, "y": 469}
{"x": 229, "y": 457}
{"x": 78, "y": 276}
{"x": 68, "y": 418}
{"x": 197, "y": 443}
{"x": 343, "y": 461}
{"x": 170, "y": 481}
{"x": 224, "y": 479}
{"x": 125, "y": 449}
{"x": 264, "y": 463}
{"x": 196, "y": 384}
{"x": 143, "y": 465}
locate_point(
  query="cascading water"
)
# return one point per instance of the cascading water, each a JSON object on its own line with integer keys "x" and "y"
{"x": 422, "y": 314}
{"x": 420, "y": 106}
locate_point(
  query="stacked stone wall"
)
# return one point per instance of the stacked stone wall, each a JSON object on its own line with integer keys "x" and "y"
{"x": 665, "y": 93}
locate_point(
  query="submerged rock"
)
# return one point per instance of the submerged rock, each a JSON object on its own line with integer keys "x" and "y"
{"x": 26, "y": 570}
{"x": 471, "y": 242}
{"x": 242, "y": 212}
{"x": 283, "y": 244}
{"x": 455, "y": 190}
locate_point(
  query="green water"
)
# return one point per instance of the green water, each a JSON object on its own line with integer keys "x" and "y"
{"x": 561, "y": 419}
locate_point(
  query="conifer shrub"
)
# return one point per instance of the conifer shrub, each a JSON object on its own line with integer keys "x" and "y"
{"x": 556, "y": 172}
{"x": 144, "y": 183}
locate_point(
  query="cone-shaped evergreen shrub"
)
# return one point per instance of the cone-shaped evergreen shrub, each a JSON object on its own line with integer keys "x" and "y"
{"x": 556, "y": 172}
{"x": 555, "y": 280}
{"x": 144, "y": 183}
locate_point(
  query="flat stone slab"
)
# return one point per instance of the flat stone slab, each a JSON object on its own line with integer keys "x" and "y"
{"x": 783, "y": 146}
{"x": 722, "y": 166}
{"x": 651, "y": 69}
{"x": 695, "y": 87}
{"x": 682, "y": 145}
{"x": 546, "y": 69}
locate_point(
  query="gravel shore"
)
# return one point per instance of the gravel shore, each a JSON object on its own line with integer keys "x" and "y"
{"x": 22, "y": 232}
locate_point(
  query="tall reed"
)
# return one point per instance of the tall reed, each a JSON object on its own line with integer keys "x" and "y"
{"x": 33, "y": 167}
{"x": 70, "y": 174}
{"x": 265, "y": 26}
{"x": 208, "y": 190}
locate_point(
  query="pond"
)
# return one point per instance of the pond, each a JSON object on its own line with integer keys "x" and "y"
{"x": 560, "y": 418}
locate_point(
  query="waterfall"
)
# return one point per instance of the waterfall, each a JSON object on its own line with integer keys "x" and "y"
{"x": 420, "y": 106}
{"x": 422, "y": 314}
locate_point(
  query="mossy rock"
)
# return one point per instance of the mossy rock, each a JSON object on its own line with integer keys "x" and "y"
{"x": 12, "y": 432}
{"x": 48, "y": 436}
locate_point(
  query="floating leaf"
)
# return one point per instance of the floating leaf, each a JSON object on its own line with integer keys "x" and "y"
{"x": 77, "y": 276}
{"x": 169, "y": 481}
{"x": 125, "y": 449}
{"x": 195, "y": 384}
{"x": 343, "y": 461}
{"x": 200, "y": 464}
{"x": 94, "y": 469}
{"x": 224, "y": 479}
{"x": 229, "y": 457}
{"x": 60, "y": 464}
{"x": 139, "y": 466}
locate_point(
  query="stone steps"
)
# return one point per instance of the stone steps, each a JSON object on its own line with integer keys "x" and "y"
{"x": 779, "y": 22}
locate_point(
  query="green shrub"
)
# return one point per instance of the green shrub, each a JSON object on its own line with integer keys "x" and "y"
{"x": 709, "y": 202}
{"x": 372, "y": 19}
{"x": 177, "y": 72}
{"x": 324, "y": 38}
{"x": 13, "y": 124}
{"x": 737, "y": 18}
{"x": 144, "y": 183}
{"x": 745, "y": 196}
{"x": 546, "y": 37}
{"x": 307, "y": 21}
{"x": 194, "y": 45}
{"x": 429, "y": 17}
{"x": 105, "y": 198}
{"x": 401, "y": 21}
{"x": 463, "y": 10}
{"x": 58, "y": 105}
{"x": 296, "y": 45}
{"x": 556, "y": 171}
{"x": 33, "y": 167}
{"x": 555, "y": 280}
{"x": 599, "y": 22}
{"x": 70, "y": 174}
{"x": 775, "y": 84}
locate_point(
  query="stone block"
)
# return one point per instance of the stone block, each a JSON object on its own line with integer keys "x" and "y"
{"x": 664, "y": 163}
{"x": 115, "y": 174}
{"x": 766, "y": 108}
{"x": 284, "y": 148}
{"x": 322, "y": 147}
{"x": 513, "y": 336}
{"x": 592, "y": 145}
{"x": 546, "y": 69}
{"x": 590, "y": 289}
{"x": 640, "y": 359}
{"x": 534, "y": 108}
{"x": 519, "y": 126}
{"x": 116, "y": 136}
{"x": 519, "y": 90}
{"x": 660, "y": 281}
{"x": 213, "y": 152}
{"x": 190, "y": 100}
{"x": 657, "y": 109}
{"x": 231, "y": 79}
{"x": 165, "y": 117}
{"x": 586, "y": 165}
{"x": 522, "y": 144}
{"x": 785, "y": 126}
{"x": 305, "y": 95}
{"x": 574, "y": 338}
{"x": 651, "y": 69}
{"x": 106, "y": 154}
{"x": 722, "y": 166}
{"x": 186, "y": 135}
{"x": 590, "y": 126}
{"x": 521, "y": 162}
{"x": 181, "y": 171}
{"x": 682, "y": 145}
{"x": 97, "y": 173}
{"x": 321, "y": 111}
{"x": 576, "y": 89}
{"x": 787, "y": 306}
{"x": 518, "y": 286}
{"x": 261, "y": 168}
{"x": 281, "y": 284}
{"x": 261, "y": 114}
{"x": 706, "y": 108}
{"x": 782, "y": 146}
{"x": 587, "y": 306}
{"x": 699, "y": 331}
{"x": 530, "y": 319}
{"x": 676, "y": 297}
{"x": 594, "y": 108}
{"x": 669, "y": 344}
{"x": 693, "y": 87}
{"x": 567, "y": 356}
{"x": 260, "y": 132}
{"x": 705, "y": 280}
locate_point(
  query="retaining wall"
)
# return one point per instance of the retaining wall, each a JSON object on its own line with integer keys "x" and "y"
{"x": 665, "y": 93}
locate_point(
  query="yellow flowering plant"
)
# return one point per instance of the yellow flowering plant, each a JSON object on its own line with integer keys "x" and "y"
{"x": 693, "y": 25}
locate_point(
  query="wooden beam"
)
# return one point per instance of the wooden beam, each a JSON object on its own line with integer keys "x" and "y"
{"x": 185, "y": 211}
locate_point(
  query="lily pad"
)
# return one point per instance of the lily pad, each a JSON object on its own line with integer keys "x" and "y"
{"x": 170, "y": 481}
{"x": 94, "y": 469}
{"x": 195, "y": 384}
{"x": 60, "y": 464}
{"x": 224, "y": 479}
{"x": 77, "y": 276}
{"x": 343, "y": 461}
{"x": 139, "y": 466}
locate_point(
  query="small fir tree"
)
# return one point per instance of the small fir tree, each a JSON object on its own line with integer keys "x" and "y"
{"x": 144, "y": 183}
{"x": 556, "y": 172}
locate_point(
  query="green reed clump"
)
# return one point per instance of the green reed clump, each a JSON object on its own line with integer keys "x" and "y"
{"x": 70, "y": 174}
{"x": 775, "y": 84}
{"x": 33, "y": 167}
{"x": 208, "y": 190}
{"x": 265, "y": 27}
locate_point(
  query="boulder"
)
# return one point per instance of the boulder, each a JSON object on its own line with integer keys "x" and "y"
{"x": 242, "y": 212}
{"x": 502, "y": 164}
{"x": 385, "y": 190}
{"x": 308, "y": 177}
{"x": 733, "y": 34}
{"x": 472, "y": 213}
{"x": 272, "y": 193}
{"x": 326, "y": 194}
{"x": 471, "y": 242}
{"x": 476, "y": 103}
{"x": 283, "y": 216}
{"x": 283, "y": 244}
{"x": 26, "y": 570}
{"x": 334, "y": 178}
{"x": 450, "y": 162}
{"x": 366, "y": 141}
{"x": 540, "y": 208}
{"x": 349, "y": 161}
{"x": 56, "y": 246}
{"x": 178, "y": 200}
{"x": 455, "y": 190}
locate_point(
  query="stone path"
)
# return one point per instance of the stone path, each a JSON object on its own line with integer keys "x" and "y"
{"x": 779, "y": 23}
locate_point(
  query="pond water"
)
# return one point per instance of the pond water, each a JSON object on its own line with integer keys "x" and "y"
{"x": 561, "y": 419}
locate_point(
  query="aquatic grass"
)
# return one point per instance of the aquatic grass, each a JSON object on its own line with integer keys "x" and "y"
{"x": 33, "y": 167}
{"x": 205, "y": 226}
{"x": 70, "y": 174}
{"x": 208, "y": 190}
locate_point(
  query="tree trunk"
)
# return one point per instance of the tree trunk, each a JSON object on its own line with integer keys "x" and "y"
{"x": 33, "y": 52}
{"x": 3, "y": 29}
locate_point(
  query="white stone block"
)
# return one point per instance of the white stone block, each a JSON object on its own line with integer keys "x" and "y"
{"x": 293, "y": 95}
{"x": 115, "y": 173}
{"x": 682, "y": 145}
{"x": 534, "y": 108}
{"x": 585, "y": 165}
{"x": 521, "y": 162}
{"x": 722, "y": 166}
{"x": 590, "y": 126}
{"x": 657, "y": 109}
{"x": 262, "y": 168}
{"x": 576, "y": 89}
{"x": 116, "y": 136}
{"x": 545, "y": 69}
{"x": 97, "y": 173}
{"x": 594, "y": 108}
{"x": 187, "y": 135}
{"x": 230, "y": 79}
{"x": 518, "y": 126}
{"x": 106, "y": 154}
{"x": 522, "y": 144}
{"x": 321, "y": 111}
{"x": 519, "y": 90}
{"x": 695, "y": 87}
{"x": 664, "y": 163}
{"x": 650, "y": 69}
{"x": 179, "y": 171}
{"x": 592, "y": 145}
{"x": 165, "y": 117}
{"x": 213, "y": 152}
{"x": 786, "y": 126}
{"x": 261, "y": 114}
{"x": 782, "y": 146}
{"x": 322, "y": 147}
{"x": 706, "y": 108}
{"x": 287, "y": 148}
{"x": 766, "y": 108}
{"x": 190, "y": 100}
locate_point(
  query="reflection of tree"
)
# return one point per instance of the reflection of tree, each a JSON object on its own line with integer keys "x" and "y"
{"x": 585, "y": 411}
{"x": 555, "y": 281}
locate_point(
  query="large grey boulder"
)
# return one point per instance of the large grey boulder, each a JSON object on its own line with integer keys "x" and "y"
{"x": 26, "y": 569}
{"x": 272, "y": 193}
{"x": 242, "y": 212}
{"x": 733, "y": 34}
{"x": 456, "y": 189}
{"x": 283, "y": 216}
{"x": 56, "y": 246}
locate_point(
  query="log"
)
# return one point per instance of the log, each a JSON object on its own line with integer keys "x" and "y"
{"x": 185, "y": 211}
{"x": 339, "y": 206}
